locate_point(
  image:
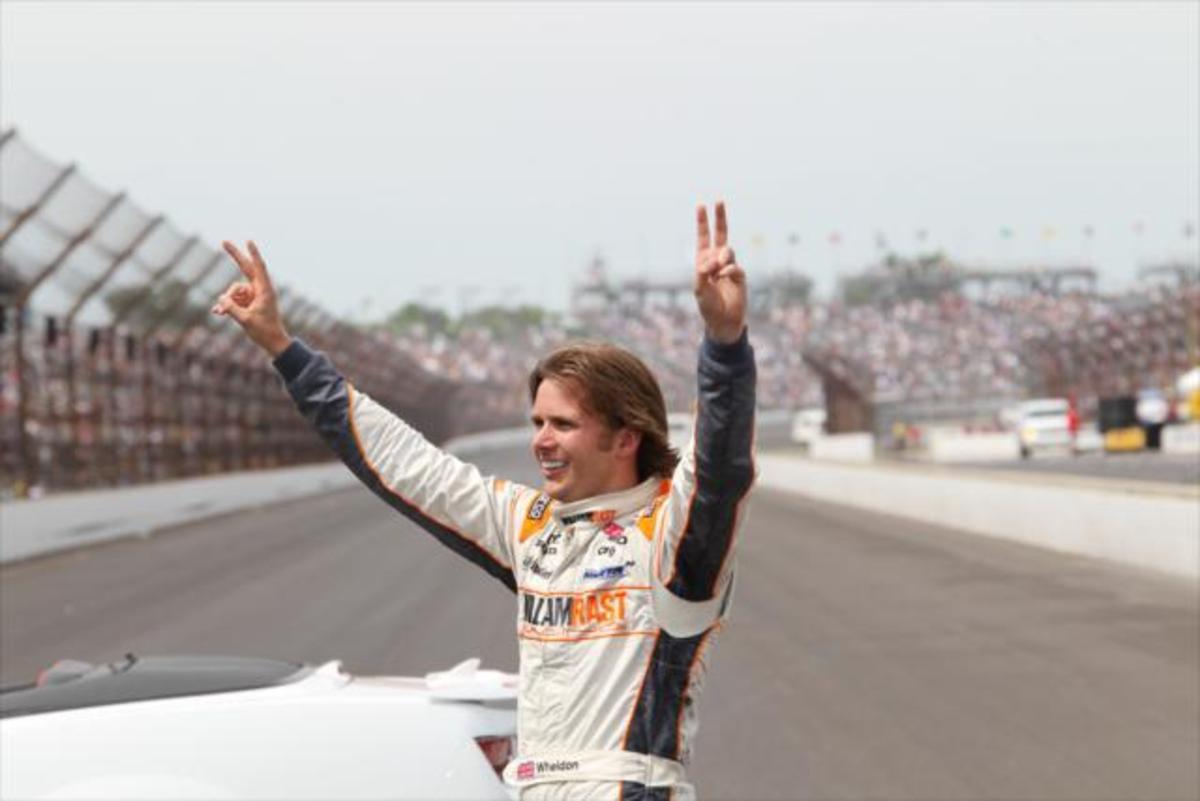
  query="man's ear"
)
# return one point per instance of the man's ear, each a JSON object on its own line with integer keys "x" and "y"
{"x": 628, "y": 442}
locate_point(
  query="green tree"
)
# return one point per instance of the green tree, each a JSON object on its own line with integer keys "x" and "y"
{"x": 140, "y": 306}
{"x": 412, "y": 314}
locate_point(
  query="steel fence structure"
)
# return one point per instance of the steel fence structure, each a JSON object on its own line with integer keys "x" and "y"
{"x": 113, "y": 372}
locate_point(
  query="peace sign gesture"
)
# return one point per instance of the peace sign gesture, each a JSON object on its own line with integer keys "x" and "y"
{"x": 720, "y": 285}
{"x": 251, "y": 303}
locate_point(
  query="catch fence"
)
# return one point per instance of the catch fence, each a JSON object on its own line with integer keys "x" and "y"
{"x": 113, "y": 371}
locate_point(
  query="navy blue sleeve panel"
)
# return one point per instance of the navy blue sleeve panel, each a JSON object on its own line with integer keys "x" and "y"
{"x": 724, "y": 466}
{"x": 324, "y": 397}
{"x": 293, "y": 359}
{"x": 655, "y": 727}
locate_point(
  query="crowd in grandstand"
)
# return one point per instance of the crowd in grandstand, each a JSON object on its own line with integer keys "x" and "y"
{"x": 665, "y": 336}
{"x": 135, "y": 406}
{"x": 947, "y": 347}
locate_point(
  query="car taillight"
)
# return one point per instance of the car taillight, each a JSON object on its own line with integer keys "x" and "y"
{"x": 498, "y": 750}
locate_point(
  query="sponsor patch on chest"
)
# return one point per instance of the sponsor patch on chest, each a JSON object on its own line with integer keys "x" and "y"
{"x": 602, "y": 608}
{"x": 607, "y": 573}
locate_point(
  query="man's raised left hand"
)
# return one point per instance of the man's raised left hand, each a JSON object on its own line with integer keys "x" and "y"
{"x": 720, "y": 282}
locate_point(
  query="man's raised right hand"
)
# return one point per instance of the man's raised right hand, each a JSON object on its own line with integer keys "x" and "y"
{"x": 252, "y": 303}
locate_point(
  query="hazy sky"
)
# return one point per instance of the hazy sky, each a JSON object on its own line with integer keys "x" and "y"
{"x": 478, "y": 153}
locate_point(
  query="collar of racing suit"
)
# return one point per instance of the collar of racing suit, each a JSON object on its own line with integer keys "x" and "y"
{"x": 610, "y": 505}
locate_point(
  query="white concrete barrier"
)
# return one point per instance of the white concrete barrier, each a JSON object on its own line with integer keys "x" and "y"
{"x": 58, "y": 522}
{"x": 30, "y": 528}
{"x": 1156, "y": 530}
{"x": 489, "y": 440}
{"x": 1181, "y": 438}
{"x": 949, "y": 446}
{"x": 857, "y": 448}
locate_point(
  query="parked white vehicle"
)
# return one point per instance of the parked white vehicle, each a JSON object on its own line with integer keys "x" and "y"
{"x": 679, "y": 430}
{"x": 1088, "y": 439}
{"x": 224, "y": 727}
{"x": 808, "y": 425}
{"x": 1043, "y": 424}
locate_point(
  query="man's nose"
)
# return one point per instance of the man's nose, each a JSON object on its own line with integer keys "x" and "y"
{"x": 543, "y": 437}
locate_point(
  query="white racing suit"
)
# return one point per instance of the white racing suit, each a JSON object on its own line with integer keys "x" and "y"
{"x": 618, "y": 597}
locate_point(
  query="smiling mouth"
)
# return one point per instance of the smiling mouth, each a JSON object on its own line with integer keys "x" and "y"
{"x": 551, "y": 467}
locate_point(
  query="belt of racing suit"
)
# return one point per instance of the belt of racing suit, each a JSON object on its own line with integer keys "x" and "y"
{"x": 595, "y": 766}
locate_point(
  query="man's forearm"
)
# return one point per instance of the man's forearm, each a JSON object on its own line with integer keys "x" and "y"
{"x": 723, "y": 469}
{"x": 441, "y": 494}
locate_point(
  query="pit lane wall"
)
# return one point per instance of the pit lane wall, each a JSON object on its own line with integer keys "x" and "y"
{"x": 1147, "y": 525}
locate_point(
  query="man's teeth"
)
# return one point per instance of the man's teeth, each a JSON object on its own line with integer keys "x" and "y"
{"x": 553, "y": 465}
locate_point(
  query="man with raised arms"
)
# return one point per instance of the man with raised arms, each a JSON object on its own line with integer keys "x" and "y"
{"x": 622, "y": 561}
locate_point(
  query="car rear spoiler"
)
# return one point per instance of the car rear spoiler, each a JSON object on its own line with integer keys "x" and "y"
{"x": 466, "y": 682}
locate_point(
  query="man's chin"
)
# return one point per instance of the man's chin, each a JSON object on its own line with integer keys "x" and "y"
{"x": 561, "y": 491}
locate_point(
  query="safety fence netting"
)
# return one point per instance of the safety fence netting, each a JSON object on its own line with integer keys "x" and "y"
{"x": 112, "y": 370}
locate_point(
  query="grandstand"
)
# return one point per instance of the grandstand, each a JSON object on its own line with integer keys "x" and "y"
{"x": 932, "y": 352}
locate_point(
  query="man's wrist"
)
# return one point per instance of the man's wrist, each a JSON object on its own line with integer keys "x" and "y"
{"x": 276, "y": 343}
{"x": 729, "y": 353}
{"x": 725, "y": 336}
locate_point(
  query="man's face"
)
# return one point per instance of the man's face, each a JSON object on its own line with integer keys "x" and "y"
{"x": 578, "y": 454}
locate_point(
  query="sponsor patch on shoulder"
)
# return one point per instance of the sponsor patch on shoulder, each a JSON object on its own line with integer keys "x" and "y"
{"x": 539, "y": 507}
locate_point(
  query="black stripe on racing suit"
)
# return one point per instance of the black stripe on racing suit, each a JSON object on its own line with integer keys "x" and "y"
{"x": 723, "y": 449}
{"x": 654, "y": 728}
{"x": 724, "y": 472}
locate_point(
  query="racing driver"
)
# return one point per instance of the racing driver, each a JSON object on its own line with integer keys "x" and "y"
{"x": 621, "y": 562}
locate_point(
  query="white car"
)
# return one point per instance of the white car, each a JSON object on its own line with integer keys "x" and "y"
{"x": 679, "y": 430}
{"x": 808, "y": 425}
{"x": 1043, "y": 424}
{"x": 240, "y": 728}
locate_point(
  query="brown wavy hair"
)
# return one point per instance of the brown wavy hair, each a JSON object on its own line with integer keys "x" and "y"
{"x": 618, "y": 387}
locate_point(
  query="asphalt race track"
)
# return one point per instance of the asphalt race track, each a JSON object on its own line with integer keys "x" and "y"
{"x": 1182, "y": 468}
{"x": 868, "y": 658}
